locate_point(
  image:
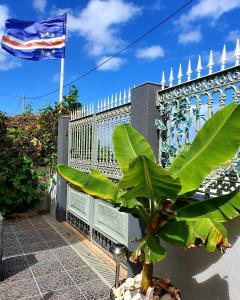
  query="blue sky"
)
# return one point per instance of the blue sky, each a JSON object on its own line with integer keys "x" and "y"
{"x": 98, "y": 28}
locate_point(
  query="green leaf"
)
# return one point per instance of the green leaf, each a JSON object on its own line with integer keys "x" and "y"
{"x": 95, "y": 184}
{"x": 179, "y": 233}
{"x": 153, "y": 252}
{"x": 214, "y": 144}
{"x": 150, "y": 246}
{"x": 201, "y": 223}
{"x": 146, "y": 179}
{"x": 216, "y": 209}
{"x": 129, "y": 144}
{"x": 178, "y": 161}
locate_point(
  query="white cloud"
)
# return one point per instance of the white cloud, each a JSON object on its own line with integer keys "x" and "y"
{"x": 40, "y": 5}
{"x": 192, "y": 36}
{"x": 7, "y": 62}
{"x": 158, "y": 5}
{"x": 114, "y": 64}
{"x": 4, "y": 14}
{"x": 233, "y": 35}
{"x": 150, "y": 53}
{"x": 99, "y": 23}
{"x": 56, "y": 77}
{"x": 208, "y": 9}
{"x": 203, "y": 9}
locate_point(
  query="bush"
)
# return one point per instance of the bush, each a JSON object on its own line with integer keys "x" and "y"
{"x": 20, "y": 186}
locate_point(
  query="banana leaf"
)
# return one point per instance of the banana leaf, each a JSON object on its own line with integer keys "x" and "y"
{"x": 203, "y": 221}
{"x": 153, "y": 251}
{"x": 129, "y": 144}
{"x": 146, "y": 178}
{"x": 95, "y": 184}
{"x": 214, "y": 144}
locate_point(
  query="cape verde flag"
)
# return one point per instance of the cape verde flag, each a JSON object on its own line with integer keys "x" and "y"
{"x": 35, "y": 40}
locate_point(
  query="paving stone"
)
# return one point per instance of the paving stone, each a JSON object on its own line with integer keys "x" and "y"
{"x": 12, "y": 251}
{"x": 11, "y": 290}
{"x": 65, "y": 252}
{"x": 27, "y": 233}
{"x": 67, "y": 293}
{"x": 40, "y": 256}
{"x": 29, "y": 240}
{"x": 13, "y": 242}
{"x": 72, "y": 263}
{"x": 35, "y": 247}
{"x": 49, "y": 234}
{"x": 47, "y": 267}
{"x": 83, "y": 275}
{"x": 56, "y": 243}
{"x": 95, "y": 290}
{"x": 54, "y": 282}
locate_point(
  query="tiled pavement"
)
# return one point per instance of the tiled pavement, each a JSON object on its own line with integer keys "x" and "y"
{"x": 39, "y": 264}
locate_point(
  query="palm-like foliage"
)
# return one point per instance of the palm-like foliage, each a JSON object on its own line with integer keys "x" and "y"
{"x": 158, "y": 196}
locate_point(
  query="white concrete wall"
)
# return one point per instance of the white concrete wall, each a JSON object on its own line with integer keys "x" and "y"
{"x": 205, "y": 276}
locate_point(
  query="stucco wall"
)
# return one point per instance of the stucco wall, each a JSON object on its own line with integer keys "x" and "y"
{"x": 205, "y": 276}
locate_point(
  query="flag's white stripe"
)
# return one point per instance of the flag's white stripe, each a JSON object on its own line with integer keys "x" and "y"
{"x": 34, "y": 47}
{"x": 56, "y": 39}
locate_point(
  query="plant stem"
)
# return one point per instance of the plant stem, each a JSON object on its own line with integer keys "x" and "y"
{"x": 147, "y": 272}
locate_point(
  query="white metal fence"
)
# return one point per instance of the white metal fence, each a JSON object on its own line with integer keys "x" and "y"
{"x": 90, "y": 134}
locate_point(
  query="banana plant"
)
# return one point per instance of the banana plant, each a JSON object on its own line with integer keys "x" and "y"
{"x": 164, "y": 198}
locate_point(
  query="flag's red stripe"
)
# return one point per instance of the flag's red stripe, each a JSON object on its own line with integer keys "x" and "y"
{"x": 30, "y": 44}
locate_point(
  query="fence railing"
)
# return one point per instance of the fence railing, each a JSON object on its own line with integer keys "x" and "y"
{"x": 185, "y": 107}
{"x": 90, "y": 134}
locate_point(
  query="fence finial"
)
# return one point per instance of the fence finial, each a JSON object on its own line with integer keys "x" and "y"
{"x": 116, "y": 100}
{"x": 129, "y": 95}
{"x": 120, "y": 98}
{"x": 101, "y": 105}
{"x": 104, "y": 104}
{"x": 112, "y": 101}
{"x": 108, "y": 103}
{"x": 237, "y": 53}
{"x": 189, "y": 70}
{"x": 98, "y": 106}
{"x": 199, "y": 66}
{"x": 171, "y": 78}
{"x": 223, "y": 58}
{"x": 124, "y": 97}
{"x": 210, "y": 63}
{"x": 180, "y": 74}
{"x": 163, "y": 80}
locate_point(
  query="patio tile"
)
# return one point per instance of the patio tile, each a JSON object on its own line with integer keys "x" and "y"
{"x": 47, "y": 267}
{"x": 13, "y": 242}
{"x": 27, "y": 233}
{"x": 54, "y": 282}
{"x": 23, "y": 227}
{"x": 67, "y": 293}
{"x": 65, "y": 252}
{"x": 34, "y": 247}
{"x": 11, "y": 290}
{"x": 12, "y": 251}
{"x": 13, "y": 262}
{"x": 56, "y": 243}
{"x": 72, "y": 263}
{"x": 83, "y": 275}
{"x": 29, "y": 240}
{"x": 40, "y": 256}
{"x": 49, "y": 234}
{"x": 95, "y": 290}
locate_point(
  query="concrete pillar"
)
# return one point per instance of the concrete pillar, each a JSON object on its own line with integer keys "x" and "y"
{"x": 62, "y": 158}
{"x": 143, "y": 114}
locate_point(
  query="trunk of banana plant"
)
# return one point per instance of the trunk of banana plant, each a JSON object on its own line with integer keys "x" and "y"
{"x": 147, "y": 272}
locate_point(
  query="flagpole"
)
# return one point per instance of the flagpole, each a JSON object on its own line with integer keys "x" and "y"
{"x": 62, "y": 66}
{"x": 61, "y": 81}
